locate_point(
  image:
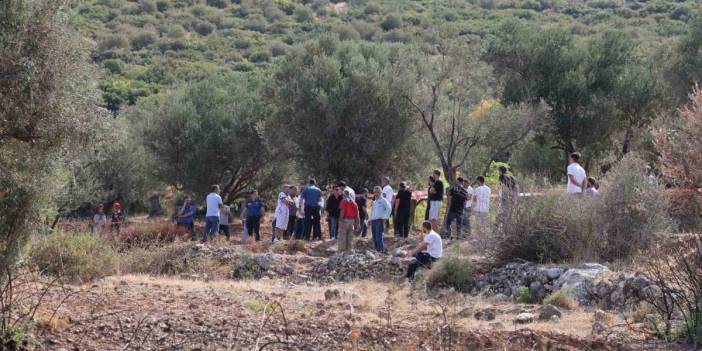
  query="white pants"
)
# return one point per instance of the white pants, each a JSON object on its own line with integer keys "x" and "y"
{"x": 434, "y": 209}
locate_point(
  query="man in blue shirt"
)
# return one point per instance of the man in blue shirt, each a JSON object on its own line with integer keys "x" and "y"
{"x": 184, "y": 216}
{"x": 254, "y": 212}
{"x": 309, "y": 200}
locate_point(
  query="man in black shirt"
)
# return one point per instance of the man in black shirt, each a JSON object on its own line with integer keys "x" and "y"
{"x": 333, "y": 211}
{"x": 456, "y": 204}
{"x": 436, "y": 195}
{"x": 401, "y": 206}
{"x": 362, "y": 202}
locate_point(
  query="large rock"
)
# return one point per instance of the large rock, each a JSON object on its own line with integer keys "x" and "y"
{"x": 579, "y": 282}
{"x": 547, "y": 312}
{"x": 485, "y": 314}
{"x": 524, "y": 318}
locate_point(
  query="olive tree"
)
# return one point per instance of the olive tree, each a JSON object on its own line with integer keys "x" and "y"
{"x": 47, "y": 110}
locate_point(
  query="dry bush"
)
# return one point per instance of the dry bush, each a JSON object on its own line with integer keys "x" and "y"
{"x": 76, "y": 257}
{"x": 147, "y": 235}
{"x": 680, "y": 145}
{"x": 560, "y": 299}
{"x": 625, "y": 218}
{"x": 676, "y": 272}
{"x": 451, "y": 272}
{"x": 167, "y": 259}
{"x": 685, "y": 207}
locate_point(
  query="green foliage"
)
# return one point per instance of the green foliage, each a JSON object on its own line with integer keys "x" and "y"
{"x": 451, "y": 272}
{"x": 525, "y": 296}
{"x": 76, "y": 257}
{"x": 142, "y": 40}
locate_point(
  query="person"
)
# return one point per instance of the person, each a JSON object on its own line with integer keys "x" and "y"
{"x": 292, "y": 213}
{"x": 310, "y": 201}
{"x": 185, "y": 216}
{"x": 342, "y": 184}
{"x": 426, "y": 252}
{"x": 155, "y": 209}
{"x": 254, "y": 212}
{"x": 332, "y": 209}
{"x": 99, "y": 220}
{"x": 225, "y": 215}
{"x": 467, "y": 210}
{"x": 213, "y": 204}
{"x": 350, "y": 219}
{"x": 117, "y": 217}
{"x": 436, "y": 195}
{"x": 388, "y": 194}
{"x": 242, "y": 215}
{"x": 282, "y": 214}
{"x": 299, "y": 218}
{"x": 592, "y": 187}
{"x": 482, "y": 205}
{"x": 430, "y": 186}
{"x": 576, "y": 175}
{"x": 380, "y": 212}
{"x": 456, "y": 202}
{"x": 509, "y": 190}
{"x": 402, "y": 208}
{"x": 362, "y": 202}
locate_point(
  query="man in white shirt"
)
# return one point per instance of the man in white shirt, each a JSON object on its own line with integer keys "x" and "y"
{"x": 426, "y": 252}
{"x": 576, "y": 175}
{"x": 389, "y": 195}
{"x": 214, "y": 204}
{"x": 482, "y": 205}
{"x": 469, "y": 205}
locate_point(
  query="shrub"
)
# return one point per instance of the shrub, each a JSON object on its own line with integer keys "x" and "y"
{"x": 220, "y": 4}
{"x": 525, "y": 296}
{"x": 685, "y": 207}
{"x": 391, "y": 22}
{"x": 76, "y": 257}
{"x": 150, "y": 234}
{"x": 204, "y": 28}
{"x": 245, "y": 266}
{"x": 112, "y": 42}
{"x": 451, "y": 272}
{"x": 242, "y": 44}
{"x": 675, "y": 271}
{"x": 142, "y": 40}
{"x": 168, "y": 259}
{"x": 255, "y": 24}
{"x": 278, "y": 49}
{"x": 560, "y": 299}
{"x": 302, "y": 14}
{"x": 115, "y": 66}
{"x": 628, "y": 215}
{"x": 260, "y": 57}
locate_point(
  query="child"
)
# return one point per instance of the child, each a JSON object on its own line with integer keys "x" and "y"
{"x": 592, "y": 187}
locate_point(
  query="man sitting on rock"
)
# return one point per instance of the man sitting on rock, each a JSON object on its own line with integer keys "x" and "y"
{"x": 426, "y": 252}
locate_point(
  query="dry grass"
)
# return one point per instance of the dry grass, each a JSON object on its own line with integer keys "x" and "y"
{"x": 560, "y": 299}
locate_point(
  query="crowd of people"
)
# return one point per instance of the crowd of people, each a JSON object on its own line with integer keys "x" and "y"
{"x": 299, "y": 211}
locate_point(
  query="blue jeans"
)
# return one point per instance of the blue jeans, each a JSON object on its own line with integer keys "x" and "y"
{"x": 211, "y": 227}
{"x": 333, "y": 227}
{"x": 378, "y": 227}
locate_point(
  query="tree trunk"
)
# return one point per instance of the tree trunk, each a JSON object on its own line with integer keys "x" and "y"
{"x": 627, "y": 141}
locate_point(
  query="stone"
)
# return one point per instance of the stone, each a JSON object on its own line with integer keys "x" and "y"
{"x": 466, "y": 312}
{"x": 332, "y": 294}
{"x": 501, "y": 297}
{"x": 264, "y": 261}
{"x": 552, "y": 273}
{"x": 524, "y": 318}
{"x": 370, "y": 255}
{"x": 599, "y": 316}
{"x": 485, "y": 314}
{"x": 548, "y": 311}
{"x": 555, "y": 319}
{"x": 598, "y": 328}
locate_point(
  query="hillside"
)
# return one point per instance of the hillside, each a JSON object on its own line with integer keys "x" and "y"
{"x": 146, "y": 46}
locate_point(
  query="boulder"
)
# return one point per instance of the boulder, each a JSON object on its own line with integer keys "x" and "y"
{"x": 552, "y": 273}
{"x": 524, "y": 318}
{"x": 370, "y": 255}
{"x": 485, "y": 314}
{"x": 586, "y": 272}
{"x": 466, "y": 312}
{"x": 496, "y": 325}
{"x": 546, "y": 312}
{"x": 332, "y": 294}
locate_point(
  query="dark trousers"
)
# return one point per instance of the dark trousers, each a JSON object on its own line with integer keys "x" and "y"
{"x": 364, "y": 228}
{"x": 450, "y": 218}
{"x": 422, "y": 259}
{"x": 190, "y": 227}
{"x": 253, "y": 225}
{"x": 299, "y": 228}
{"x": 377, "y": 228}
{"x": 290, "y": 232}
{"x": 224, "y": 228}
{"x": 402, "y": 223}
{"x": 313, "y": 221}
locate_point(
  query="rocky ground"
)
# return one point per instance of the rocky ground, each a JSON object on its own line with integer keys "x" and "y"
{"x": 309, "y": 297}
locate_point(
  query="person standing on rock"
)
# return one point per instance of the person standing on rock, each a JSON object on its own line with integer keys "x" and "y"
{"x": 436, "y": 196}
{"x": 254, "y": 212}
{"x": 456, "y": 203}
{"x": 332, "y": 209}
{"x": 426, "y": 252}
{"x": 577, "y": 177}
{"x": 310, "y": 202}
{"x": 482, "y": 205}
{"x": 214, "y": 205}
{"x": 350, "y": 219}
{"x": 380, "y": 212}
{"x": 402, "y": 207}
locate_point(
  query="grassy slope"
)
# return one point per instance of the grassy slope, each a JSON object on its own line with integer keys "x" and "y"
{"x": 148, "y": 45}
